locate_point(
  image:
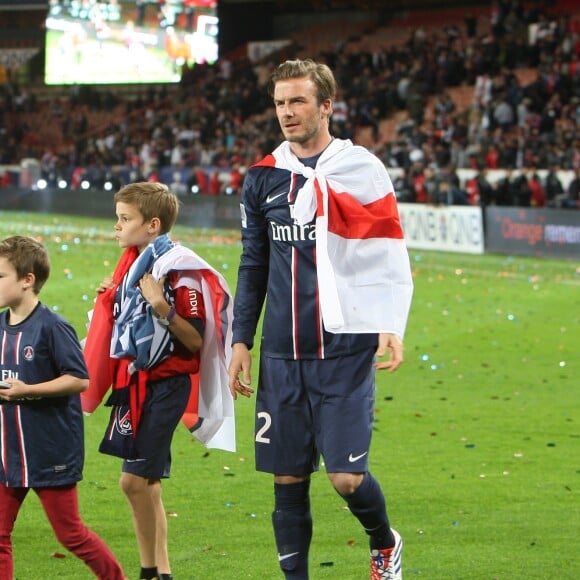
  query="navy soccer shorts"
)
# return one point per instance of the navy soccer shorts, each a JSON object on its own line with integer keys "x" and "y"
{"x": 309, "y": 408}
{"x": 165, "y": 403}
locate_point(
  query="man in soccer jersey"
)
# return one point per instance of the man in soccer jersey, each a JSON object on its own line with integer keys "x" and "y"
{"x": 323, "y": 242}
{"x": 42, "y": 372}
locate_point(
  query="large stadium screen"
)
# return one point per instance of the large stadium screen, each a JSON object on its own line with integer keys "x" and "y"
{"x": 127, "y": 41}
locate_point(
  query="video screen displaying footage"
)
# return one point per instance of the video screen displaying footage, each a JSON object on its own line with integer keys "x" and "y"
{"x": 128, "y": 41}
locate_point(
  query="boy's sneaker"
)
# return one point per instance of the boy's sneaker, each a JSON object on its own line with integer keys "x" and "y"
{"x": 387, "y": 564}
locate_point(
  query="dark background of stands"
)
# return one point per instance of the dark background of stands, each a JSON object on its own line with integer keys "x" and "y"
{"x": 372, "y": 45}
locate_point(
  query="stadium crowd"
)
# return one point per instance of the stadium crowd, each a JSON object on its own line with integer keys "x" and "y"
{"x": 201, "y": 135}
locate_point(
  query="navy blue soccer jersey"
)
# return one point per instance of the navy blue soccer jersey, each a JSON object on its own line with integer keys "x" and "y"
{"x": 278, "y": 265}
{"x": 41, "y": 439}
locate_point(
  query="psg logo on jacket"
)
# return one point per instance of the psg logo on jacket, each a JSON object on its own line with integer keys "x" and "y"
{"x": 28, "y": 352}
{"x": 123, "y": 420}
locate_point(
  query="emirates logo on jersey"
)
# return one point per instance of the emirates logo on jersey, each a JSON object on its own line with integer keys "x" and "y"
{"x": 28, "y": 353}
{"x": 292, "y": 233}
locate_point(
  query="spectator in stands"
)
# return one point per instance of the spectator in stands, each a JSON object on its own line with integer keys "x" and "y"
{"x": 444, "y": 107}
{"x": 177, "y": 185}
{"x": 492, "y": 157}
{"x": 522, "y": 112}
{"x": 404, "y": 187}
{"x": 538, "y": 195}
{"x": 418, "y": 179}
{"x": 553, "y": 186}
{"x": 482, "y": 94}
{"x": 505, "y": 190}
{"x": 471, "y": 25}
{"x": 521, "y": 190}
{"x": 340, "y": 117}
{"x": 572, "y": 201}
{"x": 192, "y": 183}
{"x": 5, "y": 179}
{"x": 482, "y": 192}
{"x": 233, "y": 181}
{"x": 215, "y": 185}
{"x": 503, "y": 114}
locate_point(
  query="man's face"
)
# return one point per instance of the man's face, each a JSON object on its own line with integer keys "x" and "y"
{"x": 299, "y": 114}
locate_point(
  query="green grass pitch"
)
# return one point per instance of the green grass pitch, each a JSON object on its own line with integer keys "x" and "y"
{"x": 476, "y": 445}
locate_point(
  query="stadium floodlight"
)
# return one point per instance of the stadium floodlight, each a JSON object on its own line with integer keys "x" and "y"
{"x": 41, "y": 184}
{"x": 85, "y": 184}
{"x": 62, "y": 184}
{"x": 194, "y": 189}
{"x": 108, "y": 186}
{"x": 230, "y": 190}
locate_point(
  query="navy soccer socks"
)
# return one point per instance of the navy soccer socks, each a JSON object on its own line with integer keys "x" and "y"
{"x": 292, "y": 523}
{"x": 368, "y": 505}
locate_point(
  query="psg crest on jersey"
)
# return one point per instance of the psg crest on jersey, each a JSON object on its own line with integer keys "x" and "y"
{"x": 123, "y": 420}
{"x": 28, "y": 353}
{"x": 119, "y": 440}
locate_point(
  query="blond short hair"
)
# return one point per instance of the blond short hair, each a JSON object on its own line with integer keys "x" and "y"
{"x": 319, "y": 73}
{"x": 152, "y": 199}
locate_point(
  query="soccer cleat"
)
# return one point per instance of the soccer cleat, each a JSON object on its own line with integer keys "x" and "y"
{"x": 387, "y": 564}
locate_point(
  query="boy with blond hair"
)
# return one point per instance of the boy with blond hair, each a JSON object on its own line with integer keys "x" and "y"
{"x": 164, "y": 319}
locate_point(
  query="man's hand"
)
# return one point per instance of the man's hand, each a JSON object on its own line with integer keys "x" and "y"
{"x": 241, "y": 363}
{"x": 391, "y": 343}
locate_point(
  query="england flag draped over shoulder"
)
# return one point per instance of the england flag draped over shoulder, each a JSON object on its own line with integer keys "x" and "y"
{"x": 363, "y": 268}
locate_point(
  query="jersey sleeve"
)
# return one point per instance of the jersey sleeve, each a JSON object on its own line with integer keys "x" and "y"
{"x": 189, "y": 305}
{"x": 253, "y": 269}
{"x": 66, "y": 353}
